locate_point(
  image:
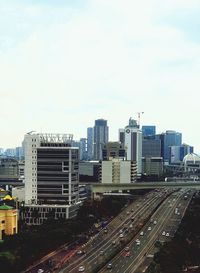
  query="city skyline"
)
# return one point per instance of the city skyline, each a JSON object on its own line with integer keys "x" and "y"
{"x": 64, "y": 64}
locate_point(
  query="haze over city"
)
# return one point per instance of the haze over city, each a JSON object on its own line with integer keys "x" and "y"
{"x": 64, "y": 64}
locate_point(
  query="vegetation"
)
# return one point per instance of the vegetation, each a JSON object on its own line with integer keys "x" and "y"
{"x": 20, "y": 250}
{"x": 184, "y": 250}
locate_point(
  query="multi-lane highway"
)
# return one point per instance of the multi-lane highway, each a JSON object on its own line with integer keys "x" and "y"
{"x": 104, "y": 246}
{"x": 161, "y": 226}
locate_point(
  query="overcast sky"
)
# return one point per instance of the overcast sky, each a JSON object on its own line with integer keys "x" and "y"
{"x": 65, "y": 63}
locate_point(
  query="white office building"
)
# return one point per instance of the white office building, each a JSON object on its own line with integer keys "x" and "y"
{"x": 131, "y": 137}
{"x": 51, "y": 176}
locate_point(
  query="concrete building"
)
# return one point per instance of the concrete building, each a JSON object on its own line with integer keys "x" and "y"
{"x": 18, "y": 193}
{"x": 113, "y": 150}
{"x": 8, "y": 221}
{"x": 152, "y": 166}
{"x": 8, "y": 168}
{"x": 131, "y": 138}
{"x": 51, "y": 177}
{"x": 191, "y": 163}
{"x": 117, "y": 170}
{"x": 100, "y": 137}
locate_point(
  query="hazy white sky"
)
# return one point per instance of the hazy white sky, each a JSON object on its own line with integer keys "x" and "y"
{"x": 65, "y": 63}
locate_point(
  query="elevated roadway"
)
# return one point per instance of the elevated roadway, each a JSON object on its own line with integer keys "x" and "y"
{"x": 99, "y": 188}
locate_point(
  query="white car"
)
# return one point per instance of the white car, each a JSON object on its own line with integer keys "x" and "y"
{"x": 141, "y": 233}
{"x": 40, "y": 270}
{"x": 138, "y": 243}
{"x": 127, "y": 248}
{"x": 163, "y": 233}
{"x": 149, "y": 228}
{"x": 131, "y": 226}
{"x": 167, "y": 234}
{"x": 121, "y": 235}
{"x": 155, "y": 222}
{"x": 81, "y": 269}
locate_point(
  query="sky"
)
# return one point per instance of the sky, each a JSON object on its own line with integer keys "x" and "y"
{"x": 65, "y": 63}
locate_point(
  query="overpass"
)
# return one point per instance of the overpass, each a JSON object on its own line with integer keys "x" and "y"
{"x": 110, "y": 187}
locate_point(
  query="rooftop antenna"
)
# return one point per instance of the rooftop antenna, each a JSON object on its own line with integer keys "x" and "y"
{"x": 139, "y": 117}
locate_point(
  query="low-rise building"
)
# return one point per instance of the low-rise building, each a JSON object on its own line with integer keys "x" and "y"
{"x": 8, "y": 221}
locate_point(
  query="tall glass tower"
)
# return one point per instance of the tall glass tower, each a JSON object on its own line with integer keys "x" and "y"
{"x": 100, "y": 137}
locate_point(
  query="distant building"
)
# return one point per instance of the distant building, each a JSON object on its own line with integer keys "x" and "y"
{"x": 18, "y": 193}
{"x": 100, "y": 137}
{"x": 8, "y": 221}
{"x": 8, "y": 168}
{"x": 90, "y": 141}
{"x": 168, "y": 139}
{"x": 131, "y": 138}
{"x": 118, "y": 171}
{"x": 191, "y": 163}
{"x": 152, "y": 166}
{"x": 148, "y": 130}
{"x": 51, "y": 177}
{"x": 151, "y": 148}
{"x": 177, "y": 153}
{"x": 83, "y": 149}
{"x": 113, "y": 150}
{"x": 89, "y": 171}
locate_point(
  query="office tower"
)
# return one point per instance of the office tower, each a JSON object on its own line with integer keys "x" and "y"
{"x": 131, "y": 137}
{"x": 151, "y": 147}
{"x": 83, "y": 149}
{"x": 90, "y": 142}
{"x": 148, "y": 130}
{"x": 177, "y": 153}
{"x": 100, "y": 137}
{"x": 169, "y": 138}
{"x": 19, "y": 152}
{"x": 51, "y": 176}
{"x": 113, "y": 150}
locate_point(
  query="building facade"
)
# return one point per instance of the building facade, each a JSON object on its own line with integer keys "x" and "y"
{"x": 148, "y": 130}
{"x": 90, "y": 141}
{"x": 131, "y": 138}
{"x": 51, "y": 175}
{"x": 118, "y": 171}
{"x": 113, "y": 150}
{"x": 100, "y": 137}
{"x": 8, "y": 221}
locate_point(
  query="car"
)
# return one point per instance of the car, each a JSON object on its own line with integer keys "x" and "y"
{"x": 141, "y": 233}
{"x": 132, "y": 218}
{"x": 40, "y": 270}
{"x": 79, "y": 252}
{"x": 109, "y": 266}
{"x": 121, "y": 235}
{"x": 127, "y": 248}
{"x": 127, "y": 212}
{"x": 121, "y": 231}
{"x": 137, "y": 205}
{"x": 105, "y": 230}
{"x": 113, "y": 242}
{"x": 132, "y": 210}
{"x": 149, "y": 228}
{"x": 138, "y": 243}
{"x": 127, "y": 254}
{"x": 155, "y": 222}
{"x": 163, "y": 233}
{"x": 131, "y": 226}
{"x": 151, "y": 220}
{"x": 101, "y": 252}
{"x": 81, "y": 269}
{"x": 170, "y": 205}
{"x": 167, "y": 234}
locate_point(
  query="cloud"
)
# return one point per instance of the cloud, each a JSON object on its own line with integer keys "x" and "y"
{"x": 67, "y": 65}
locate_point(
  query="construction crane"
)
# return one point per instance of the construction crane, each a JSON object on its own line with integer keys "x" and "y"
{"x": 139, "y": 116}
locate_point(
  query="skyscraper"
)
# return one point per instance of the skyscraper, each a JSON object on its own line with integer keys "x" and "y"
{"x": 148, "y": 130}
{"x": 131, "y": 137}
{"x": 100, "y": 137}
{"x": 90, "y": 137}
{"x": 83, "y": 149}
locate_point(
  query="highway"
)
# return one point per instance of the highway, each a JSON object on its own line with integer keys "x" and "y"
{"x": 163, "y": 221}
{"x": 105, "y": 245}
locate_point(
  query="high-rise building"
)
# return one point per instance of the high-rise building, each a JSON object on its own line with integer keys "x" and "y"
{"x": 148, "y": 130}
{"x": 83, "y": 149}
{"x": 151, "y": 147}
{"x": 51, "y": 177}
{"x": 131, "y": 137}
{"x": 169, "y": 138}
{"x": 90, "y": 141}
{"x": 177, "y": 153}
{"x": 100, "y": 137}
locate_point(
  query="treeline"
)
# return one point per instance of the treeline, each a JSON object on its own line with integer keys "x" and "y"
{"x": 19, "y": 251}
{"x": 184, "y": 249}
